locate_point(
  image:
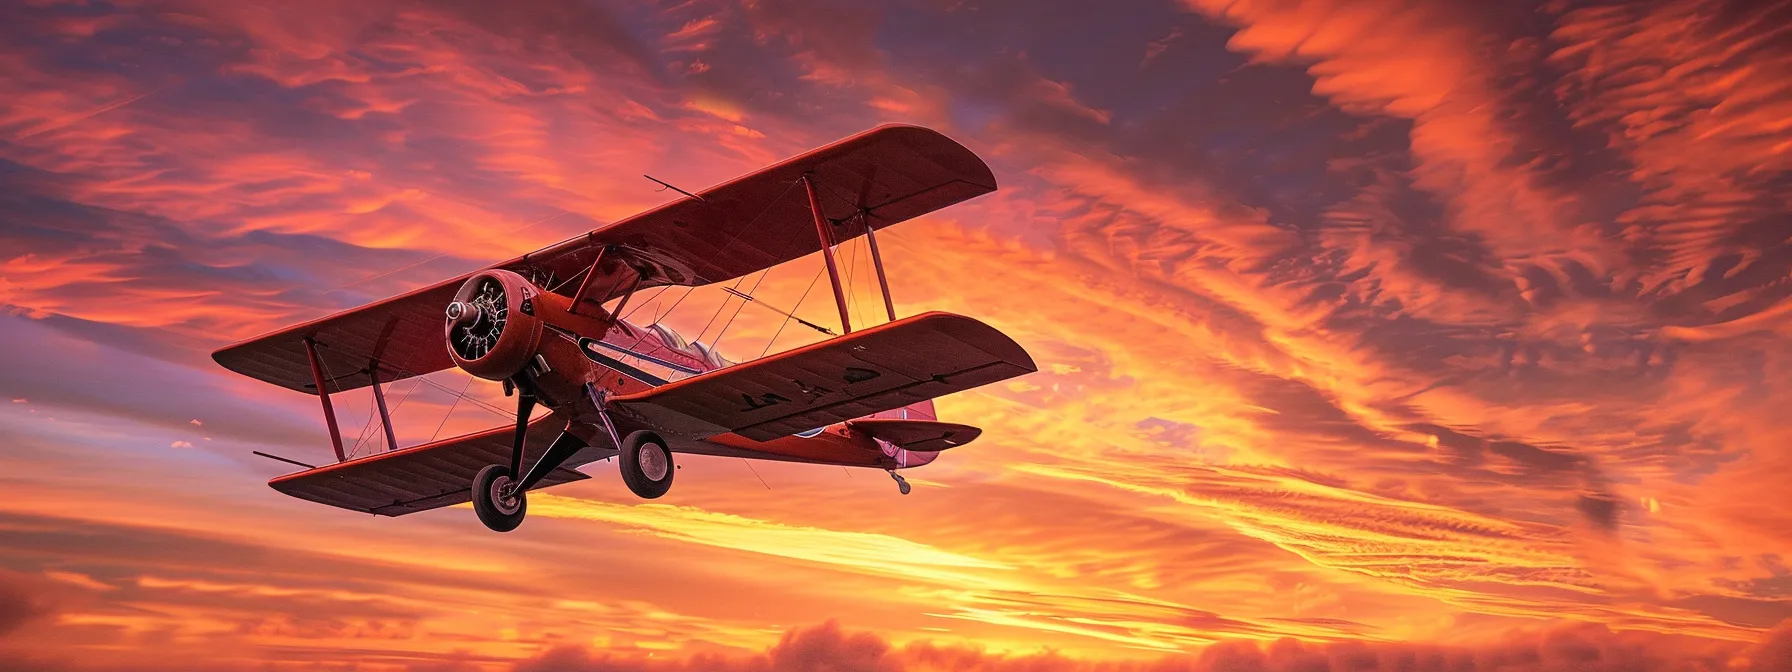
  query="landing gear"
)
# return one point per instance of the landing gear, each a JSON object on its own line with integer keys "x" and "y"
{"x": 901, "y": 483}
{"x": 646, "y": 465}
{"x": 499, "y": 495}
{"x": 496, "y": 499}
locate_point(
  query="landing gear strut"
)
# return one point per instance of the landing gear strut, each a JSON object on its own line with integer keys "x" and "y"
{"x": 499, "y": 493}
{"x": 497, "y": 500}
{"x": 901, "y": 483}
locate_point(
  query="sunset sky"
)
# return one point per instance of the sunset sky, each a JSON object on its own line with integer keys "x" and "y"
{"x": 1443, "y": 331}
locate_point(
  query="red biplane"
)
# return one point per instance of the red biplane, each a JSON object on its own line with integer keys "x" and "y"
{"x": 861, "y": 399}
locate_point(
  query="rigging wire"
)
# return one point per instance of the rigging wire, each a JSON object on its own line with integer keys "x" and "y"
{"x": 656, "y": 319}
{"x": 643, "y": 304}
{"x": 392, "y": 410}
{"x": 749, "y": 464}
{"x": 451, "y": 407}
{"x": 717, "y": 341}
{"x": 732, "y": 240}
{"x": 792, "y": 314}
{"x": 471, "y": 399}
{"x": 365, "y": 429}
{"x": 857, "y": 308}
{"x": 674, "y": 306}
{"x": 563, "y": 283}
{"x": 719, "y": 308}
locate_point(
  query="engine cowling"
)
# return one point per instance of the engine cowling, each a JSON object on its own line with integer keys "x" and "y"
{"x": 493, "y": 329}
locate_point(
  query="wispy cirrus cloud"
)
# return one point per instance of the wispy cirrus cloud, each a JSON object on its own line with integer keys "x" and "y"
{"x": 1356, "y": 320}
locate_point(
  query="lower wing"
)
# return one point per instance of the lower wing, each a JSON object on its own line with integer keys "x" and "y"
{"x": 881, "y": 368}
{"x": 422, "y": 477}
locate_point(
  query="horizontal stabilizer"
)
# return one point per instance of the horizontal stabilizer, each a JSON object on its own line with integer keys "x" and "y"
{"x": 423, "y": 477}
{"x": 917, "y": 435}
{"x": 881, "y": 368}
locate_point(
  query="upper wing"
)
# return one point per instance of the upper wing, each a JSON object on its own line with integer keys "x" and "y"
{"x": 422, "y": 477}
{"x": 887, "y": 366}
{"x": 890, "y": 174}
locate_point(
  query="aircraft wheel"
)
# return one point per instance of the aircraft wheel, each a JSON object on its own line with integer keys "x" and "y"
{"x": 901, "y": 483}
{"x": 646, "y": 465}
{"x": 494, "y": 503}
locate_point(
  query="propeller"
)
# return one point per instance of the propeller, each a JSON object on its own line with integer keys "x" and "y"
{"x": 478, "y": 321}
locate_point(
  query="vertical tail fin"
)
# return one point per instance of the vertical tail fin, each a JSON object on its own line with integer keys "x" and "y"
{"x": 920, "y": 410}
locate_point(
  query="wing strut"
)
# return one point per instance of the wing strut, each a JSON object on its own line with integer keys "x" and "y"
{"x": 827, "y": 253}
{"x": 566, "y": 445}
{"x": 323, "y": 393}
{"x": 877, "y": 261}
{"x": 578, "y": 297}
{"x": 379, "y": 398}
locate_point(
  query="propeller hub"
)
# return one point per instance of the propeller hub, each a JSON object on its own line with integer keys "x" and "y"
{"x": 476, "y": 321}
{"x": 465, "y": 314}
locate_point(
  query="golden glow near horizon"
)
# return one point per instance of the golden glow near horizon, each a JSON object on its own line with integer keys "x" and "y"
{"x": 1358, "y": 322}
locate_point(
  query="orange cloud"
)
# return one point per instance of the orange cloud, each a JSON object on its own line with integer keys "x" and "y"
{"x": 1555, "y": 648}
{"x": 1359, "y": 322}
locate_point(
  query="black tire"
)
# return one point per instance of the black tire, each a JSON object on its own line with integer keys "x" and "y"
{"x": 499, "y": 514}
{"x": 640, "y": 476}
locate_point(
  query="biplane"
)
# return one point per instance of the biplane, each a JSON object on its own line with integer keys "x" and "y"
{"x": 640, "y": 394}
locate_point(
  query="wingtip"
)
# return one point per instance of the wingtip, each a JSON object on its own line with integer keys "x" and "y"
{"x": 998, "y": 344}
{"x": 979, "y": 172}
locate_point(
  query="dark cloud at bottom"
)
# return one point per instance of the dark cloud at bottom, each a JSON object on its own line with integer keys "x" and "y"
{"x": 1561, "y": 647}
{"x": 19, "y": 603}
{"x": 828, "y": 647}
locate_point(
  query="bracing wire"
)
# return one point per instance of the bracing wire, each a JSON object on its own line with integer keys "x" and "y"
{"x": 400, "y": 404}
{"x": 367, "y": 429}
{"x": 362, "y": 437}
{"x": 656, "y": 301}
{"x": 717, "y": 341}
{"x": 732, "y": 240}
{"x": 674, "y": 306}
{"x": 563, "y": 283}
{"x": 470, "y": 399}
{"x": 451, "y": 407}
{"x": 792, "y": 314}
{"x": 749, "y": 464}
{"x": 661, "y": 316}
{"x": 719, "y": 308}
{"x": 856, "y": 307}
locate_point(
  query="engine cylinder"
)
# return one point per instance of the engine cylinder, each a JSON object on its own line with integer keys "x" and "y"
{"x": 492, "y": 327}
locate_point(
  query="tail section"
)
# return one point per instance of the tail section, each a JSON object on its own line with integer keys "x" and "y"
{"x": 920, "y": 410}
{"x": 913, "y": 435}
